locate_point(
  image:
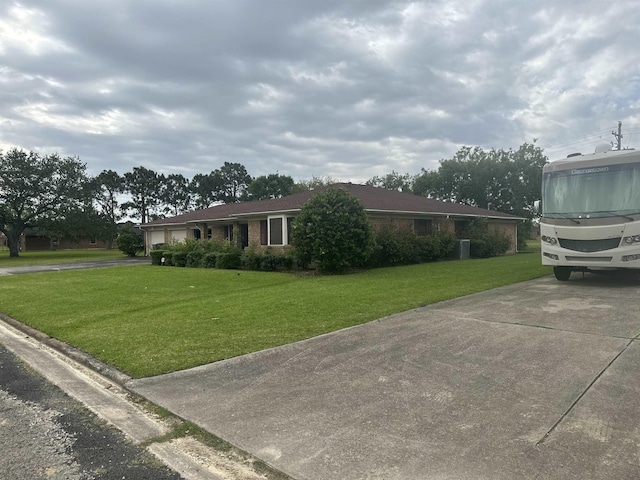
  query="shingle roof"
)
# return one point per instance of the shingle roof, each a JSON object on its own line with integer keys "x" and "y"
{"x": 374, "y": 199}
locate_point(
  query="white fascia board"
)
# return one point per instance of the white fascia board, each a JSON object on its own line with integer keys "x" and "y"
{"x": 144, "y": 227}
{"x": 443, "y": 214}
{"x": 211, "y": 220}
{"x": 271, "y": 213}
{"x": 238, "y": 216}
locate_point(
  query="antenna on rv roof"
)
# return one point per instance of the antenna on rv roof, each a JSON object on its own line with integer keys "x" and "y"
{"x": 618, "y": 135}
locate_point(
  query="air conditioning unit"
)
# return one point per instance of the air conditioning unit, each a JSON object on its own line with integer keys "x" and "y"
{"x": 462, "y": 249}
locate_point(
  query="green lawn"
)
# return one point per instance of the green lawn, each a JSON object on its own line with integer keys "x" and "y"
{"x": 146, "y": 320}
{"x": 59, "y": 256}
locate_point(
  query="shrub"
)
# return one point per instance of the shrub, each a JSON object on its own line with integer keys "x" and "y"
{"x": 168, "y": 258}
{"x": 435, "y": 246}
{"x": 332, "y": 229}
{"x": 194, "y": 259}
{"x": 209, "y": 260}
{"x": 266, "y": 262}
{"x": 180, "y": 259}
{"x": 393, "y": 245}
{"x": 485, "y": 243}
{"x": 401, "y": 246}
{"x": 286, "y": 262}
{"x": 156, "y": 256}
{"x": 271, "y": 263}
{"x": 251, "y": 260}
{"x": 129, "y": 242}
{"x": 212, "y": 245}
{"x": 524, "y": 233}
{"x": 230, "y": 260}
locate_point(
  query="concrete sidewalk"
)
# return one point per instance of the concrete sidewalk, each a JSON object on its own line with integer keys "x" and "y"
{"x": 535, "y": 380}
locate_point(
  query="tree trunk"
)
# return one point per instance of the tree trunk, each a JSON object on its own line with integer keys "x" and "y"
{"x": 13, "y": 242}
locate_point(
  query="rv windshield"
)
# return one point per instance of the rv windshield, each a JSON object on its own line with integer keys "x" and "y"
{"x": 598, "y": 191}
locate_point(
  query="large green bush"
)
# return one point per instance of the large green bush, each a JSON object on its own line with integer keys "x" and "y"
{"x": 333, "y": 230}
{"x": 399, "y": 245}
{"x": 266, "y": 262}
{"x": 228, "y": 260}
{"x": 192, "y": 252}
{"x": 129, "y": 242}
{"x": 180, "y": 259}
{"x": 484, "y": 242}
{"x": 209, "y": 260}
{"x": 436, "y": 246}
{"x": 393, "y": 245}
{"x": 194, "y": 259}
{"x": 156, "y": 257}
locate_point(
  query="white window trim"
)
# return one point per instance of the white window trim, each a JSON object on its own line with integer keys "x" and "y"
{"x": 285, "y": 231}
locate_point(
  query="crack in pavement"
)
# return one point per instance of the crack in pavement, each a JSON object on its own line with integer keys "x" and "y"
{"x": 584, "y": 392}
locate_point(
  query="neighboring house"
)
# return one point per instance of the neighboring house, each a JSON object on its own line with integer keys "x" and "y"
{"x": 30, "y": 241}
{"x": 267, "y": 223}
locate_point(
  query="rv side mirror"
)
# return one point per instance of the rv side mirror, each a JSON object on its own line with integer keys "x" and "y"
{"x": 537, "y": 206}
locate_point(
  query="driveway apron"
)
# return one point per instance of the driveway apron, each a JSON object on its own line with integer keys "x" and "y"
{"x": 534, "y": 380}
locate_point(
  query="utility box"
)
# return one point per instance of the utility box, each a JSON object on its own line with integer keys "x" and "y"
{"x": 462, "y": 249}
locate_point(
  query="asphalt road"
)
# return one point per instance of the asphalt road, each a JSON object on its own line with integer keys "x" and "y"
{"x": 57, "y": 267}
{"x": 45, "y": 434}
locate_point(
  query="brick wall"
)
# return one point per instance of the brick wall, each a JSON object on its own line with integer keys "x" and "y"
{"x": 507, "y": 229}
{"x": 41, "y": 243}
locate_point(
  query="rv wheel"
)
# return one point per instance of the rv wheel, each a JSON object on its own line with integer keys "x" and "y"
{"x": 562, "y": 273}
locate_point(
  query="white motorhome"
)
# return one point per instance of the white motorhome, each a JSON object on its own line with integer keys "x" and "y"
{"x": 591, "y": 212}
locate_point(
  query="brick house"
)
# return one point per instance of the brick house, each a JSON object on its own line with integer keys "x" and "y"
{"x": 266, "y": 223}
{"x": 30, "y": 241}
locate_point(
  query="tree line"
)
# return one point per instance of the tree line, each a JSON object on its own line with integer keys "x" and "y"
{"x": 507, "y": 181}
{"x": 56, "y": 197}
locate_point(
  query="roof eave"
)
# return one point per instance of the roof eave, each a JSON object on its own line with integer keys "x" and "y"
{"x": 441, "y": 214}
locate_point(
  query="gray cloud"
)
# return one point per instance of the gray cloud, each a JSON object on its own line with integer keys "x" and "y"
{"x": 344, "y": 89}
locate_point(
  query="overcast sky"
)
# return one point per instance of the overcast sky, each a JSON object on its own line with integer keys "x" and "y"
{"x": 345, "y": 89}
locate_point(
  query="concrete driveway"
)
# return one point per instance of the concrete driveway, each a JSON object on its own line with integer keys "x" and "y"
{"x": 538, "y": 380}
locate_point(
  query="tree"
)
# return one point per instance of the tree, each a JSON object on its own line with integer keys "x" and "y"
{"x": 314, "y": 183}
{"x": 235, "y": 181}
{"x": 507, "y": 181}
{"x": 33, "y": 189}
{"x": 75, "y": 223}
{"x": 175, "y": 194}
{"x": 393, "y": 181}
{"x": 269, "y": 186}
{"x": 106, "y": 187}
{"x": 333, "y": 229}
{"x": 205, "y": 188}
{"x": 129, "y": 242}
{"x": 144, "y": 187}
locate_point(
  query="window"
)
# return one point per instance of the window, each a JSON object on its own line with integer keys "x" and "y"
{"x": 228, "y": 233}
{"x": 462, "y": 227}
{"x": 209, "y": 233}
{"x": 196, "y": 233}
{"x": 422, "y": 226}
{"x": 275, "y": 231}
{"x": 93, "y": 241}
{"x": 244, "y": 235}
{"x": 279, "y": 231}
{"x": 599, "y": 191}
